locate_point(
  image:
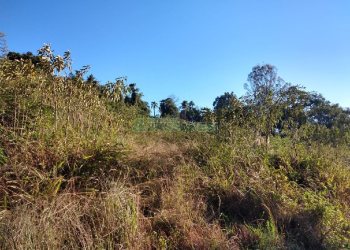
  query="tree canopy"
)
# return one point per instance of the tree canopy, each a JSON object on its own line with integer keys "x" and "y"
{"x": 264, "y": 97}
{"x": 190, "y": 112}
{"x": 228, "y": 108}
{"x": 168, "y": 108}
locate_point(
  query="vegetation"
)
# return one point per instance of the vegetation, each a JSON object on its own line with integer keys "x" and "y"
{"x": 82, "y": 165}
{"x": 168, "y": 108}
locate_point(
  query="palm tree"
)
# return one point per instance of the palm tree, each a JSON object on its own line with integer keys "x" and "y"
{"x": 154, "y": 105}
{"x": 184, "y": 109}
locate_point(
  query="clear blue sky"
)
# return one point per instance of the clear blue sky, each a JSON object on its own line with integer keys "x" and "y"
{"x": 192, "y": 49}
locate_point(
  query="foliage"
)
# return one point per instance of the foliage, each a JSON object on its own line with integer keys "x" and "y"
{"x": 35, "y": 60}
{"x": 154, "y": 105}
{"x": 144, "y": 124}
{"x": 168, "y": 107}
{"x": 82, "y": 165}
{"x": 73, "y": 221}
{"x": 190, "y": 112}
{"x": 229, "y": 113}
{"x": 135, "y": 100}
{"x": 264, "y": 97}
{"x": 2, "y": 157}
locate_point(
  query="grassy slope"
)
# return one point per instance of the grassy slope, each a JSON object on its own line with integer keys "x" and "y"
{"x": 74, "y": 175}
{"x": 165, "y": 190}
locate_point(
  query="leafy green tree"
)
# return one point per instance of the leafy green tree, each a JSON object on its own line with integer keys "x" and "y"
{"x": 25, "y": 56}
{"x": 264, "y": 96}
{"x": 92, "y": 81}
{"x": 322, "y": 112}
{"x": 228, "y": 109}
{"x": 144, "y": 108}
{"x": 294, "y": 114}
{"x": 135, "y": 99}
{"x": 301, "y": 107}
{"x": 207, "y": 115}
{"x": 331, "y": 121}
{"x": 168, "y": 107}
{"x": 184, "y": 110}
{"x": 190, "y": 112}
{"x": 310, "y": 112}
{"x": 224, "y": 101}
{"x": 154, "y": 105}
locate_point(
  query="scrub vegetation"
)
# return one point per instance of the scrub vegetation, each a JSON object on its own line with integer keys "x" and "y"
{"x": 268, "y": 170}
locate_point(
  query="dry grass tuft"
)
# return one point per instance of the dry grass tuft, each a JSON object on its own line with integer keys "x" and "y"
{"x": 71, "y": 220}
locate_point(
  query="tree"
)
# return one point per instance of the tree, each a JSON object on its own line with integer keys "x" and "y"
{"x": 115, "y": 91}
{"x": 207, "y": 115}
{"x": 190, "y": 112}
{"x": 228, "y": 109}
{"x": 309, "y": 115}
{"x": 322, "y": 112}
{"x": 134, "y": 96}
{"x": 184, "y": 110}
{"x": 36, "y": 60}
{"x": 224, "y": 101}
{"x": 168, "y": 108}
{"x": 135, "y": 99}
{"x": 264, "y": 97}
{"x": 92, "y": 81}
{"x": 154, "y": 105}
{"x": 294, "y": 115}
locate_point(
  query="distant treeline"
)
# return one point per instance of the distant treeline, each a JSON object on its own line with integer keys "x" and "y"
{"x": 270, "y": 104}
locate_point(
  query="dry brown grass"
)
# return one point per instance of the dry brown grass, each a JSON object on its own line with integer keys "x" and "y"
{"x": 73, "y": 176}
{"x": 72, "y": 220}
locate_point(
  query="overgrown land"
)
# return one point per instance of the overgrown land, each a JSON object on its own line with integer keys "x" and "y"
{"x": 83, "y": 165}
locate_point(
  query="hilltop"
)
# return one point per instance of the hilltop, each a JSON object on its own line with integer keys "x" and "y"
{"x": 83, "y": 165}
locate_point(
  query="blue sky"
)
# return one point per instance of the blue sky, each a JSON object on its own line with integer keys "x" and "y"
{"x": 192, "y": 49}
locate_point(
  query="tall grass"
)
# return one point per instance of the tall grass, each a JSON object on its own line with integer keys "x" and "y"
{"x": 73, "y": 220}
{"x": 75, "y": 175}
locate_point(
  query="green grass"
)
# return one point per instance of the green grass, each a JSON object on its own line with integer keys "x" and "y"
{"x": 145, "y": 124}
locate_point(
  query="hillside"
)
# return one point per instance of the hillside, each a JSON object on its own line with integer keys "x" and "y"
{"x": 83, "y": 166}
